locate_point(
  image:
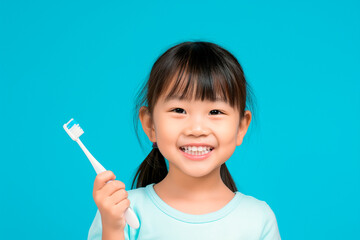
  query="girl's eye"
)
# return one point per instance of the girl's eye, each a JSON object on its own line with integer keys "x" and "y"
{"x": 215, "y": 112}
{"x": 178, "y": 110}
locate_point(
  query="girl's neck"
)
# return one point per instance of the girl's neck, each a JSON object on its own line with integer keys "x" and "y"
{"x": 187, "y": 188}
{"x": 194, "y": 196}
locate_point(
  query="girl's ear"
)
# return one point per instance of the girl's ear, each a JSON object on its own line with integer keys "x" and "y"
{"x": 147, "y": 124}
{"x": 244, "y": 125}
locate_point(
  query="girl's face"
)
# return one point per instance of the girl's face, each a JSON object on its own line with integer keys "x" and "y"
{"x": 195, "y": 136}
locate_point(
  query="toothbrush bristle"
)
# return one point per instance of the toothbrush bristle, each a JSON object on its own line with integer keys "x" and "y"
{"x": 71, "y": 123}
{"x": 73, "y": 129}
{"x": 76, "y": 130}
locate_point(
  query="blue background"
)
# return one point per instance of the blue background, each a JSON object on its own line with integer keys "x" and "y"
{"x": 86, "y": 59}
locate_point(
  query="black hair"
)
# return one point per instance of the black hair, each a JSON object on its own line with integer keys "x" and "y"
{"x": 200, "y": 69}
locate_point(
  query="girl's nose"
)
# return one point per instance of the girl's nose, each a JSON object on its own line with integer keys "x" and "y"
{"x": 197, "y": 127}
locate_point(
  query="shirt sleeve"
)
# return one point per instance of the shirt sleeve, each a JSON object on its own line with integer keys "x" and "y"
{"x": 271, "y": 230}
{"x": 95, "y": 231}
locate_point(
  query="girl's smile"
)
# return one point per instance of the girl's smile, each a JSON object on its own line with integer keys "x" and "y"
{"x": 196, "y": 151}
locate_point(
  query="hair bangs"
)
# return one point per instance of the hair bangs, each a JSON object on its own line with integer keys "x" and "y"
{"x": 201, "y": 82}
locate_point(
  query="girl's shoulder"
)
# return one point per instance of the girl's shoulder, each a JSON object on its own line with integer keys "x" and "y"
{"x": 259, "y": 212}
{"x": 257, "y": 208}
{"x": 252, "y": 201}
{"x": 139, "y": 194}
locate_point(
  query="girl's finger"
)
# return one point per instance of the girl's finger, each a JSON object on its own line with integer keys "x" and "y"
{"x": 111, "y": 187}
{"x": 122, "y": 205}
{"x": 102, "y": 178}
{"x": 118, "y": 196}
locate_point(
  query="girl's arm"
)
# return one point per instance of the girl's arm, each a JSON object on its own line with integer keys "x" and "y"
{"x": 110, "y": 234}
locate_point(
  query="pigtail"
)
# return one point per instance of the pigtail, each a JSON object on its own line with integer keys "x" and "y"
{"x": 227, "y": 179}
{"x": 152, "y": 170}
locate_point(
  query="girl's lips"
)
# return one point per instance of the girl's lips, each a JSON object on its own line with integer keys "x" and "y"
{"x": 198, "y": 145}
{"x": 196, "y": 157}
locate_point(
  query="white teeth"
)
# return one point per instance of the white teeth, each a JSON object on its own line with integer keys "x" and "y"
{"x": 196, "y": 150}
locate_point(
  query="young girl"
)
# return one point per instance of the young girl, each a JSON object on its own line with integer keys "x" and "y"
{"x": 193, "y": 110}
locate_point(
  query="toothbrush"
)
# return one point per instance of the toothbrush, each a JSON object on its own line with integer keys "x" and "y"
{"x": 74, "y": 130}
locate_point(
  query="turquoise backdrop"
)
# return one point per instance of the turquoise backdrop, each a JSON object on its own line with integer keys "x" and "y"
{"x": 86, "y": 59}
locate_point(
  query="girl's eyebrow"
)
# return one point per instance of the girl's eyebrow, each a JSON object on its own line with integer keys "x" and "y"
{"x": 173, "y": 97}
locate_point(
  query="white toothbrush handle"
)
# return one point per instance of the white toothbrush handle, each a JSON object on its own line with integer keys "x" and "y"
{"x": 130, "y": 216}
{"x": 97, "y": 166}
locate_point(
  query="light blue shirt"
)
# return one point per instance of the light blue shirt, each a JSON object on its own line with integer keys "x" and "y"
{"x": 244, "y": 217}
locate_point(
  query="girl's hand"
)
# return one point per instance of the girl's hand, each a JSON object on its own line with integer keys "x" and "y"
{"x": 111, "y": 200}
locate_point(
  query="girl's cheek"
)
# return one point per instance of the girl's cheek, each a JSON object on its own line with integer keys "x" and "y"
{"x": 227, "y": 131}
{"x": 166, "y": 126}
